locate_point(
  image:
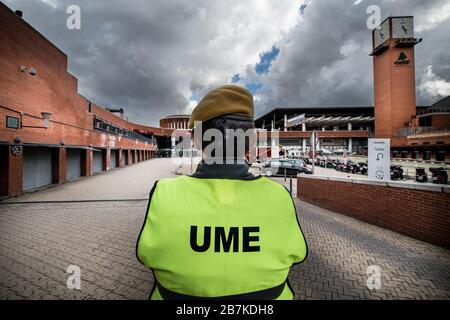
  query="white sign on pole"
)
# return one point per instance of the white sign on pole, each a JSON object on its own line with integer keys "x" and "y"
{"x": 314, "y": 139}
{"x": 379, "y": 159}
{"x": 313, "y": 142}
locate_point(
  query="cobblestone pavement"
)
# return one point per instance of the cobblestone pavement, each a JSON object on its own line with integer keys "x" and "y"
{"x": 39, "y": 241}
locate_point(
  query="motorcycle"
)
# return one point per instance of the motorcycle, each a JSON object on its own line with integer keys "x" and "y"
{"x": 421, "y": 175}
{"x": 439, "y": 175}
{"x": 330, "y": 164}
{"x": 396, "y": 173}
{"x": 363, "y": 168}
{"x": 356, "y": 168}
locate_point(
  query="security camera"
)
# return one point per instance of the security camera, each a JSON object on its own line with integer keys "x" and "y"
{"x": 32, "y": 71}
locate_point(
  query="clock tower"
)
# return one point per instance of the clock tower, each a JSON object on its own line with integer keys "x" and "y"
{"x": 394, "y": 75}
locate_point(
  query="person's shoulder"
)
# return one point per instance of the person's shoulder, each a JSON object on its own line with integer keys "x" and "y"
{"x": 271, "y": 183}
{"x": 170, "y": 182}
{"x": 273, "y": 186}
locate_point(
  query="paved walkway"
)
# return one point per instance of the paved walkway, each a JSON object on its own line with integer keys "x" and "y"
{"x": 39, "y": 241}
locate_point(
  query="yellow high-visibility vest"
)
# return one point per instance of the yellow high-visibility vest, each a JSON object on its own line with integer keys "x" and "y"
{"x": 220, "y": 238}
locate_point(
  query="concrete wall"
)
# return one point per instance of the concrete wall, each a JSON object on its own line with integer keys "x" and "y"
{"x": 415, "y": 210}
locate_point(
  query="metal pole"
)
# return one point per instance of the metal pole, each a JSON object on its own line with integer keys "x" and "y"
{"x": 284, "y": 175}
{"x": 192, "y": 151}
{"x": 313, "y": 153}
{"x": 290, "y": 185}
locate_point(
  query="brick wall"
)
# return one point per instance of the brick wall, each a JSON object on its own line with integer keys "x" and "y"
{"x": 421, "y": 214}
{"x": 441, "y": 121}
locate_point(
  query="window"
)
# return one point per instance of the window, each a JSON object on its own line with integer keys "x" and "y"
{"x": 287, "y": 164}
{"x": 415, "y": 154}
{"x": 12, "y": 122}
{"x": 425, "y": 121}
{"x": 275, "y": 163}
{"x": 427, "y": 155}
{"x": 440, "y": 155}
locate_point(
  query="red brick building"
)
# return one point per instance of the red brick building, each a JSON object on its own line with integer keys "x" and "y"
{"x": 179, "y": 122}
{"x": 79, "y": 139}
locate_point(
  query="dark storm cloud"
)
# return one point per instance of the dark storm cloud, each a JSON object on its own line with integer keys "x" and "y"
{"x": 157, "y": 57}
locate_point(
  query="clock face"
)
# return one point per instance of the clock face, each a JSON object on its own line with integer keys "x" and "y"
{"x": 403, "y": 27}
{"x": 382, "y": 33}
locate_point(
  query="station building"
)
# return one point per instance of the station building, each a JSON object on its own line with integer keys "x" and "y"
{"x": 340, "y": 129}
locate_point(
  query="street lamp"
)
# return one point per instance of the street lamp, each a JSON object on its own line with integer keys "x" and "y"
{"x": 46, "y": 116}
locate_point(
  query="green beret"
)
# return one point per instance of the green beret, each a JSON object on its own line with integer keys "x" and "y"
{"x": 224, "y": 100}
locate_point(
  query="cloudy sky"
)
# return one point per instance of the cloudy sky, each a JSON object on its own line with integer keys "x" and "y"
{"x": 160, "y": 57}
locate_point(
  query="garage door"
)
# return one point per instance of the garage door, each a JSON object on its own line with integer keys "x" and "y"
{"x": 73, "y": 163}
{"x": 97, "y": 163}
{"x": 37, "y": 167}
{"x": 124, "y": 155}
{"x": 132, "y": 156}
{"x": 112, "y": 161}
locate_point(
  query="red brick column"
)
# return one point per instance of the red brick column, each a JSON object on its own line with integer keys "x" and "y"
{"x": 86, "y": 163}
{"x": 59, "y": 165}
{"x": 118, "y": 158}
{"x": 128, "y": 157}
{"x": 4, "y": 176}
{"x": 11, "y": 172}
{"x": 106, "y": 157}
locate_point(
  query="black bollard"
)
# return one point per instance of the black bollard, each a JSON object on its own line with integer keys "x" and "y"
{"x": 290, "y": 185}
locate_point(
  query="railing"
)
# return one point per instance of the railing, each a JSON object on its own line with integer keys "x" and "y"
{"x": 405, "y": 132}
{"x": 103, "y": 125}
{"x": 433, "y": 110}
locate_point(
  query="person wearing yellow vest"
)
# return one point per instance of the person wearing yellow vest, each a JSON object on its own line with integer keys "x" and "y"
{"x": 221, "y": 233}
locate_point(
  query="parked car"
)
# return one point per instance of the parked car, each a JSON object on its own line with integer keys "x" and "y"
{"x": 298, "y": 162}
{"x": 282, "y": 166}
